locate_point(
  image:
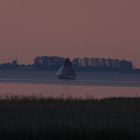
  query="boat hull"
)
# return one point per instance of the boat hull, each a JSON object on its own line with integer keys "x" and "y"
{"x": 67, "y": 77}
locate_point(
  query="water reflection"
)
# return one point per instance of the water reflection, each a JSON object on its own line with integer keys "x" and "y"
{"x": 67, "y": 91}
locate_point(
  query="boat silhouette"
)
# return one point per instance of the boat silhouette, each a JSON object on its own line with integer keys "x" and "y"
{"x": 66, "y": 71}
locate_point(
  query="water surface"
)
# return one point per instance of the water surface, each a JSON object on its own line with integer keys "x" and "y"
{"x": 87, "y": 85}
{"x": 67, "y": 91}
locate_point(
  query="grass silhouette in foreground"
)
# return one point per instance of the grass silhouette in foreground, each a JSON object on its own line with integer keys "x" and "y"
{"x": 70, "y": 119}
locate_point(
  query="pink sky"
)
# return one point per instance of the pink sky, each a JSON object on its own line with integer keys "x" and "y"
{"x": 100, "y": 28}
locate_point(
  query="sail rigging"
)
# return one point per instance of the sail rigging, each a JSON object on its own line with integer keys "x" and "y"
{"x": 66, "y": 71}
{"x": 59, "y": 71}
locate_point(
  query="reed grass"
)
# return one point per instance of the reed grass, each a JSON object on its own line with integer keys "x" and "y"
{"x": 27, "y": 118}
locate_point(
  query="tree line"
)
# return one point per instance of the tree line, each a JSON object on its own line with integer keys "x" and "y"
{"x": 80, "y": 64}
{"x": 103, "y": 64}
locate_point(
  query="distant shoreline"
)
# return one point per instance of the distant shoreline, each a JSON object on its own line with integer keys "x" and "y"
{"x": 134, "y": 71}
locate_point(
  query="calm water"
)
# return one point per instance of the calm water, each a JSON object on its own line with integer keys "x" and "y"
{"x": 66, "y": 91}
{"x": 87, "y": 85}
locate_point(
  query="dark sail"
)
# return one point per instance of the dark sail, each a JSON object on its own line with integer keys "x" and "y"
{"x": 66, "y": 71}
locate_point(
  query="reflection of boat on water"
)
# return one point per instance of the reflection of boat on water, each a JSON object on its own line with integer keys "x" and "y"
{"x": 66, "y": 71}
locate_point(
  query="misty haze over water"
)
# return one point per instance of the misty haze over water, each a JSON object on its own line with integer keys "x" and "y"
{"x": 87, "y": 84}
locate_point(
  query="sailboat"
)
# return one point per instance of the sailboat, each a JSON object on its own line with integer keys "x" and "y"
{"x": 66, "y": 71}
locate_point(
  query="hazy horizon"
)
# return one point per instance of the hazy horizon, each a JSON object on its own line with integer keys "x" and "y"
{"x": 32, "y": 60}
{"x": 75, "y": 28}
